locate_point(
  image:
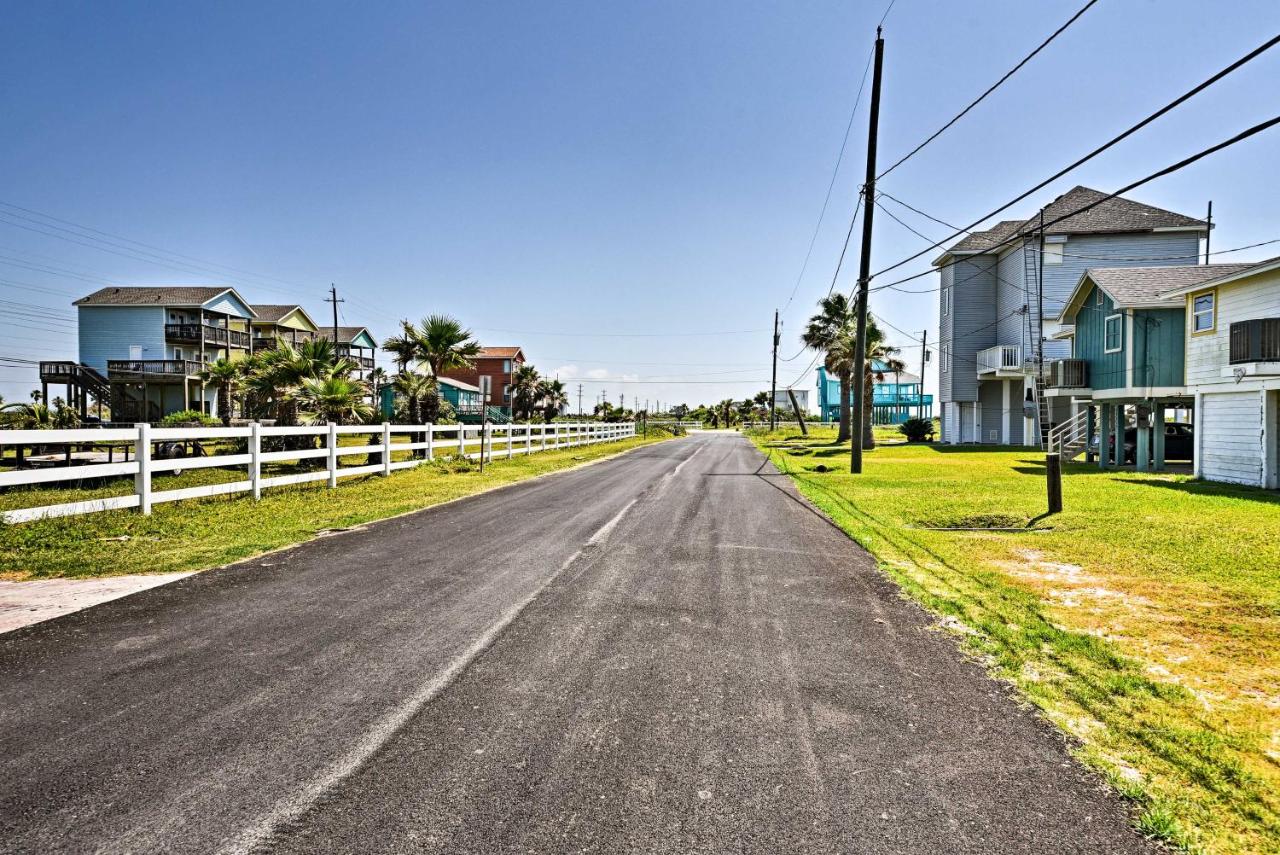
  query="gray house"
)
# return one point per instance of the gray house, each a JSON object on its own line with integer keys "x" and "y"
{"x": 997, "y": 283}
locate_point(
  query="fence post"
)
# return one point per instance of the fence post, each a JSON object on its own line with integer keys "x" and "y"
{"x": 528, "y": 440}
{"x": 462, "y": 440}
{"x": 333, "y": 454}
{"x": 142, "y": 454}
{"x": 511, "y": 441}
{"x": 1053, "y": 472}
{"x": 255, "y": 460}
{"x": 386, "y": 449}
{"x": 431, "y": 439}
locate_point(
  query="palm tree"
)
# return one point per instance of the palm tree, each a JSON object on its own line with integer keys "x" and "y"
{"x": 416, "y": 387}
{"x": 225, "y": 375}
{"x": 878, "y": 351}
{"x": 376, "y": 379}
{"x": 834, "y": 320}
{"x": 524, "y": 391}
{"x": 404, "y": 347}
{"x": 332, "y": 399}
{"x": 552, "y": 396}
{"x": 444, "y": 345}
{"x": 37, "y": 416}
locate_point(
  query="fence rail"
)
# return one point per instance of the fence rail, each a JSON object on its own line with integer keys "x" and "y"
{"x": 153, "y": 453}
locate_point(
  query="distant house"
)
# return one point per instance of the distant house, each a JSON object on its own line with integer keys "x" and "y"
{"x": 142, "y": 348}
{"x": 897, "y": 396}
{"x": 993, "y": 284}
{"x": 498, "y": 364}
{"x": 355, "y": 343}
{"x": 289, "y": 322}
{"x": 782, "y": 401}
{"x": 464, "y": 398}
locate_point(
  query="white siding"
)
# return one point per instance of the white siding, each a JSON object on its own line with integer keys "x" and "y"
{"x": 1207, "y": 354}
{"x": 1231, "y": 437}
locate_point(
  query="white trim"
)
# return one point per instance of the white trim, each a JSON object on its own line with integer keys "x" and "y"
{"x": 1006, "y": 420}
{"x": 1106, "y": 321}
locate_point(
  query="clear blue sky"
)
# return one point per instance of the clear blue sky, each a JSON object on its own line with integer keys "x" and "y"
{"x": 560, "y": 174}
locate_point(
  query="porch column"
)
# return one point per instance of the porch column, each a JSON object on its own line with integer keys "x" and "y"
{"x": 1105, "y": 424}
{"x": 1090, "y": 430}
{"x": 1118, "y": 457}
{"x": 1142, "y": 449}
{"x": 1157, "y": 439}
{"x": 1006, "y": 413}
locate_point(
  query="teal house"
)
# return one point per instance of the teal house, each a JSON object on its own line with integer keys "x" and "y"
{"x": 464, "y": 398}
{"x": 897, "y": 396}
{"x": 1127, "y": 367}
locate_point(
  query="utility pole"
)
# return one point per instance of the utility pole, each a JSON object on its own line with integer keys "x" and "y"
{"x": 1208, "y": 231}
{"x": 864, "y": 267}
{"x": 773, "y": 383}
{"x": 333, "y": 298}
{"x": 579, "y": 400}
{"x": 924, "y": 357}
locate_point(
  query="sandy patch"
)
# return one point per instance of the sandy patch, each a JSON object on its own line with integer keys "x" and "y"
{"x": 24, "y": 603}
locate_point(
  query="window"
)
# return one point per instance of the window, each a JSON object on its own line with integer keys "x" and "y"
{"x": 946, "y": 301}
{"x": 506, "y": 366}
{"x": 1053, "y": 253}
{"x": 1098, "y": 299}
{"x": 1113, "y": 333}
{"x": 1204, "y": 314}
{"x": 946, "y": 357}
{"x": 506, "y": 393}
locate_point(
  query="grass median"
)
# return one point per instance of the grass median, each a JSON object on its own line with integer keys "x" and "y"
{"x": 199, "y": 533}
{"x": 1144, "y": 620}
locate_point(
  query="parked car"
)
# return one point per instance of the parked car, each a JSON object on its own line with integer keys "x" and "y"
{"x": 1179, "y": 442}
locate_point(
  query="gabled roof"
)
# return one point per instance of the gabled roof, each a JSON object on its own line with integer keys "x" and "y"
{"x": 191, "y": 296}
{"x": 274, "y": 313}
{"x": 1144, "y": 287}
{"x": 457, "y": 384}
{"x": 1228, "y": 276}
{"x": 346, "y": 335}
{"x": 499, "y": 353}
{"x": 1112, "y": 216}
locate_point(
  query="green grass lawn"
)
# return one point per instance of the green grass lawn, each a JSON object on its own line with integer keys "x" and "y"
{"x": 201, "y": 533}
{"x": 1144, "y": 620}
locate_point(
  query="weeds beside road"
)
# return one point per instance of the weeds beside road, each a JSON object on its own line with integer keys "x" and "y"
{"x": 1144, "y": 620}
{"x": 196, "y": 534}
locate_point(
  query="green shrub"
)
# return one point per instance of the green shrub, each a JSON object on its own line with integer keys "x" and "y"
{"x": 917, "y": 430}
{"x": 182, "y": 418}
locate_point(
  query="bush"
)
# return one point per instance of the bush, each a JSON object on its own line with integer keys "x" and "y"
{"x": 917, "y": 430}
{"x": 185, "y": 418}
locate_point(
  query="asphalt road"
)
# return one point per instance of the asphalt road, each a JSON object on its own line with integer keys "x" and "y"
{"x": 669, "y": 651}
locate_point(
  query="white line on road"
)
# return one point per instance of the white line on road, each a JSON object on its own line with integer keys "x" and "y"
{"x": 293, "y": 807}
{"x": 603, "y": 531}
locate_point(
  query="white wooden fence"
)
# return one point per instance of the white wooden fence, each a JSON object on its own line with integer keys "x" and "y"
{"x": 504, "y": 440}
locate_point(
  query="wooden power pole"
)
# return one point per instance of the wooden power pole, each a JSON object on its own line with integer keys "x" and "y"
{"x": 864, "y": 267}
{"x": 773, "y": 383}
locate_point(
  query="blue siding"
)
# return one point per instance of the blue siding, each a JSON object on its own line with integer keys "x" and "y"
{"x": 968, "y": 328}
{"x": 364, "y": 340}
{"x": 228, "y": 304}
{"x": 106, "y": 332}
{"x": 1106, "y": 370}
{"x": 1159, "y": 354}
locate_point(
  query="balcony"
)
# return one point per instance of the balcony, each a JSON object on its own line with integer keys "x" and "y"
{"x": 1003, "y": 360}
{"x": 1256, "y": 340}
{"x": 268, "y": 342}
{"x": 1068, "y": 374}
{"x": 152, "y": 369}
{"x": 206, "y": 333}
{"x": 888, "y": 398}
{"x": 355, "y": 355}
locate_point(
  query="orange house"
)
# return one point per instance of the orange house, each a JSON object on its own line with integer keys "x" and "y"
{"x": 498, "y": 364}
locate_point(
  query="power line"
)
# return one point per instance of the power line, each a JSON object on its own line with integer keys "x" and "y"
{"x": 832, "y": 183}
{"x": 621, "y": 335}
{"x": 992, "y": 88}
{"x": 1200, "y": 87}
{"x": 1168, "y": 170}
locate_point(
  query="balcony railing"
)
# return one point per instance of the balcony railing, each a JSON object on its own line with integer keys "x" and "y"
{"x": 346, "y": 350}
{"x": 1069, "y": 374}
{"x": 144, "y": 368}
{"x": 1256, "y": 340}
{"x": 1001, "y": 359}
{"x": 268, "y": 342}
{"x": 211, "y": 334}
{"x": 903, "y": 399}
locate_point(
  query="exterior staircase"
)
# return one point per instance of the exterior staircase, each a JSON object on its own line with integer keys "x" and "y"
{"x": 1070, "y": 438}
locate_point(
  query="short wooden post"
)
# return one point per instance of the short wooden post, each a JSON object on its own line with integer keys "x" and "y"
{"x": 431, "y": 439}
{"x": 333, "y": 454}
{"x": 142, "y": 454}
{"x": 1053, "y": 477}
{"x": 255, "y": 460}
{"x": 386, "y": 449}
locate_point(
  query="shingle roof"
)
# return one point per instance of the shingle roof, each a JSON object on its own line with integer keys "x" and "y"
{"x": 498, "y": 352}
{"x": 345, "y": 334}
{"x": 1136, "y": 286}
{"x": 146, "y": 295}
{"x": 1116, "y": 215}
{"x": 457, "y": 384}
{"x": 273, "y": 312}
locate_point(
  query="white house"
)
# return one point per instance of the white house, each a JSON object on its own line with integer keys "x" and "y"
{"x": 1233, "y": 369}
